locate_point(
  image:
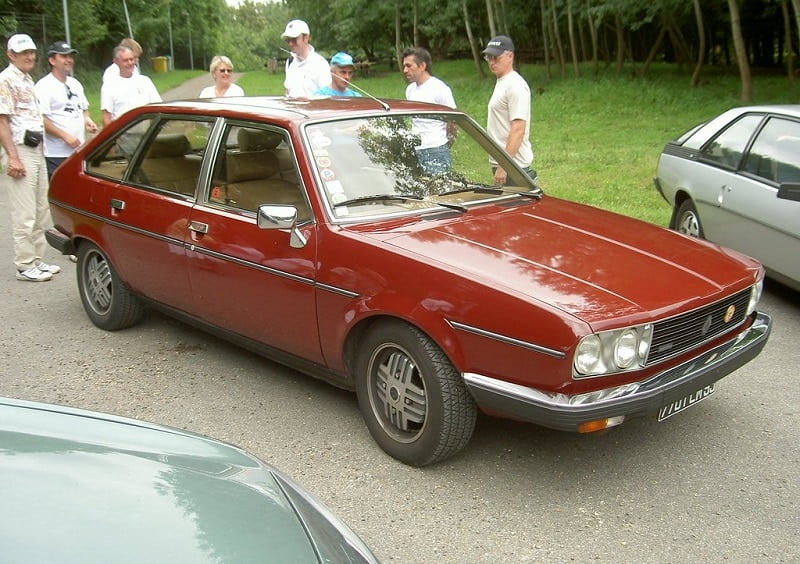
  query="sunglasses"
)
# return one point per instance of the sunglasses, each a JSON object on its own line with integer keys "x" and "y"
{"x": 226, "y": 71}
{"x": 70, "y": 93}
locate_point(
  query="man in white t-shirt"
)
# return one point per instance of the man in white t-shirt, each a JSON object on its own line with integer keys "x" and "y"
{"x": 112, "y": 70}
{"x": 64, "y": 107}
{"x": 127, "y": 91}
{"x": 306, "y": 70}
{"x": 435, "y": 135}
{"x": 509, "y": 108}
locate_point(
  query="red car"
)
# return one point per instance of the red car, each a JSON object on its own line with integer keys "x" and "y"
{"x": 323, "y": 234}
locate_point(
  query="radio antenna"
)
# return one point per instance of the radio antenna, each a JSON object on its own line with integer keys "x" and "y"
{"x": 380, "y": 102}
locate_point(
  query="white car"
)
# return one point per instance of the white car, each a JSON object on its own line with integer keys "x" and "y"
{"x": 735, "y": 180}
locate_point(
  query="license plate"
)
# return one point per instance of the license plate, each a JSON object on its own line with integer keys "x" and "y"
{"x": 685, "y": 402}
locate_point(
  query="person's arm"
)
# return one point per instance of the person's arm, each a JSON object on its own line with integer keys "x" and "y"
{"x": 15, "y": 168}
{"x": 513, "y": 143}
{"x": 88, "y": 122}
{"x": 54, "y": 131}
{"x": 106, "y": 118}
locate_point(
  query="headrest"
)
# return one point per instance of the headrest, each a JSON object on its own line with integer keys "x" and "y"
{"x": 169, "y": 145}
{"x": 250, "y": 166}
{"x": 258, "y": 139}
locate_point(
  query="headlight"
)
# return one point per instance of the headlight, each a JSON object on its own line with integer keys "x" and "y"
{"x": 755, "y": 296}
{"x": 609, "y": 352}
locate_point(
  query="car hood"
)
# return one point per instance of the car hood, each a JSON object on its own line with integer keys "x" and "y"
{"x": 95, "y": 488}
{"x": 592, "y": 264}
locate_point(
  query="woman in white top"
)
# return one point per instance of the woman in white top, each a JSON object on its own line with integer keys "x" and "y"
{"x": 221, "y": 69}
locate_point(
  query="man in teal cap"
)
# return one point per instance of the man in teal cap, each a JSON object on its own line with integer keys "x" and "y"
{"x": 342, "y": 69}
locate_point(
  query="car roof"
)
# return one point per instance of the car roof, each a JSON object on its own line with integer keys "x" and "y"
{"x": 294, "y": 109}
{"x": 701, "y": 134}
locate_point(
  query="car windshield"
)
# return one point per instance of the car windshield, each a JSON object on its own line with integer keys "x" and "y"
{"x": 402, "y": 163}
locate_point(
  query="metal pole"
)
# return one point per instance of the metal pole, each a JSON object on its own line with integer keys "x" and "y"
{"x": 171, "y": 50}
{"x": 66, "y": 21}
{"x": 127, "y": 18}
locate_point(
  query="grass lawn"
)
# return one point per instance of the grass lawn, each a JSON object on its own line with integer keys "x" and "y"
{"x": 596, "y": 139}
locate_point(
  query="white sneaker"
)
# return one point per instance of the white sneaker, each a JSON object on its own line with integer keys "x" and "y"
{"x": 33, "y": 274}
{"x": 51, "y": 268}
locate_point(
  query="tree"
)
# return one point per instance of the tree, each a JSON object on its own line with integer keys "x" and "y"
{"x": 741, "y": 52}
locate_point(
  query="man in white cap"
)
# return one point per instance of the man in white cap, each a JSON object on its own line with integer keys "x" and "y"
{"x": 509, "y": 108}
{"x": 64, "y": 107}
{"x": 306, "y": 70}
{"x": 24, "y": 176}
{"x": 342, "y": 69}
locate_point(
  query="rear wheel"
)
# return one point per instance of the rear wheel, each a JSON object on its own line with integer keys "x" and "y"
{"x": 687, "y": 220}
{"x": 107, "y": 302}
{"x": 413, "y": 400}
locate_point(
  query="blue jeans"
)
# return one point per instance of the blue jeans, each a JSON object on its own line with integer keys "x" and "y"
{"x": 434, "y": 160}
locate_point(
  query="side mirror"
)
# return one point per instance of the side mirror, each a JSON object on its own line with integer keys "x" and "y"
{"x": 789, "y": 191}
{"x": 281, "y": 217}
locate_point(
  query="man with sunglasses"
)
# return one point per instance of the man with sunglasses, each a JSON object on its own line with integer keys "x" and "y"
{"x": 63, "y": 105}
{"x": 509, "y": 122}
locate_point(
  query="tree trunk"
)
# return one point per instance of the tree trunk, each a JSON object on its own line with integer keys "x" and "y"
{"x": 476, "y": 55}
{"x": 546, "y": 39}
{"x": 562, "y": 66}
{"x": 490, "y": 17}
{"x": 787, "y": 30}
{"x": 593, "y": 35}
{"x": 701, "y": 48}
{"x": 572, "y": 43}
{"x": 653, "y": 50}
{"x": 397, "y": 49}
{"x": 796, "y": 6}
{"x": 416, "y": 22}
{"x": 620, "y": 34}
{"x": 741, "y": 53}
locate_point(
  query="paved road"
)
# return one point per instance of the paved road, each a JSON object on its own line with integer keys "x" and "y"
{"x": 719, "y": 483}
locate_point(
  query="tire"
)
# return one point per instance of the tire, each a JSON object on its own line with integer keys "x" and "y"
{"x": 414, "y": 402}
{"x": 687, "y": 220}
{"x": 107, "y": 302}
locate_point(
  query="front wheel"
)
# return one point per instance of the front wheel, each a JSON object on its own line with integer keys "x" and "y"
{"x": 108, "y": 303}
{"x": 413, "y": 400}
{"x": 687, "y": 220}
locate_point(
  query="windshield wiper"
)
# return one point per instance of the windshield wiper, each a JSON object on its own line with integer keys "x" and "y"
{"x": 497, "y": 190}
{"x": 397, "y": 198}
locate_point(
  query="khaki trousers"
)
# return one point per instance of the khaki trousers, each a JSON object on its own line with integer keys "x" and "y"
{"x": 30, "y": 211}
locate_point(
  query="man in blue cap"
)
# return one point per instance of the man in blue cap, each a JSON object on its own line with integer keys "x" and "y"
{"x": 342, "y": 69}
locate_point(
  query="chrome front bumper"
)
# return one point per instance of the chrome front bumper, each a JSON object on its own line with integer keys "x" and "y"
{"x": 567, "y": 413}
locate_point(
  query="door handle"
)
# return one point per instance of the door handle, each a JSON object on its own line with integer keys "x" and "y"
{"x": 198, "y": 227}
{"x": 117, "y": 204}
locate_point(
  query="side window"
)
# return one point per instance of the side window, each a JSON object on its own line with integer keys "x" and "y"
{"x": 775, "y": 154}
{"x": 112, "y": 160}
{"x": 172, "y": 156}
{"x": 728, "y": 147}
{"x": 256, "y": 166}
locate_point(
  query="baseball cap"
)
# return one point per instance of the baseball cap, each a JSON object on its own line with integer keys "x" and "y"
{"x": 342, "y": 59}
{"x": 498, "y": 45}
{"x": 20, "y": 42}
{"x": 61, "y": 48}
{"x": 296, "y": 28}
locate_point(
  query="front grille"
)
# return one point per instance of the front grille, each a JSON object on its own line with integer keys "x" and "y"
{"x": 679, "y": 334}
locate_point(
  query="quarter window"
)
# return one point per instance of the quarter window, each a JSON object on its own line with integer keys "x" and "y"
{"x": 112, "y": 160}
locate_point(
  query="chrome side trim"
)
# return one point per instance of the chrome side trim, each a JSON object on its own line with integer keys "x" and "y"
{"x": 506, "y": 339}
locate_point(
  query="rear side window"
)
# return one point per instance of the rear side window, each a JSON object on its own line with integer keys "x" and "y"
{"x": 775, "y": 154}
{"x": 727, "y": 148}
